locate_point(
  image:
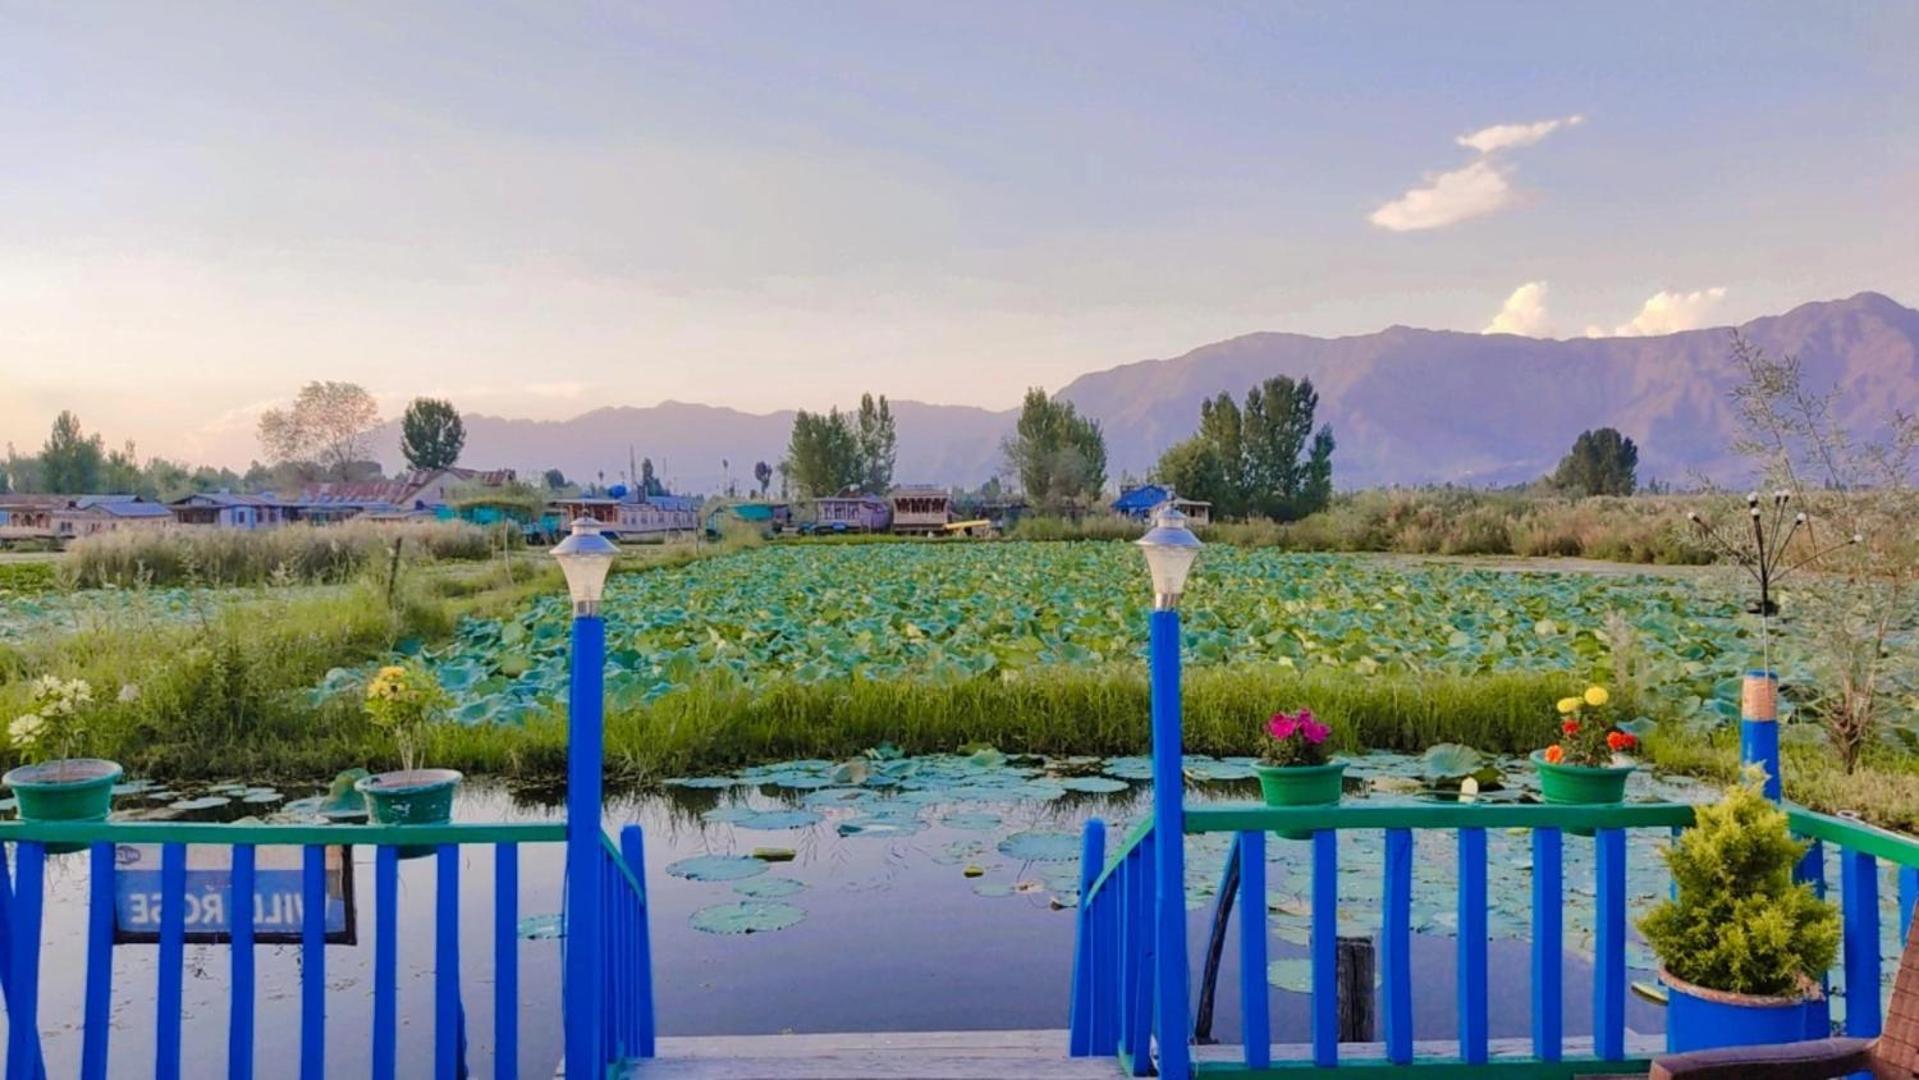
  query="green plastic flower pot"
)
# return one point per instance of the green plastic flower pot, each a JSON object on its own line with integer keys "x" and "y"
{"x": 1301, "y": 785}
{"x": 1581, "y": 785}
{"x": 410, "y": 797}
{"x": 71, "y": 789}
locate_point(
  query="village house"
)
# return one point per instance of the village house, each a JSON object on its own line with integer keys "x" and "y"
{"x": 921, "y": 510}
{"x": 90, "y": 514}
{"x": 418, "y": 490}
{"x": 633, "y": 517}
{"x": 853, "y": 513}
{"x": 226, "y": 510}
{"x": 1139, "y": 502}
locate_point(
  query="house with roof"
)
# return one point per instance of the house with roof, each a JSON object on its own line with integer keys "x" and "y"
{"x": 921, "y": 510}
{"x": 1138, "y": 502}
{"x": 634, "y": 516}
{"x": 90, "y": 514}
{"x": 228, "y": 510}
{"x": 852, "y": 513}
{"x": 29, "y": 517}
{"x": 418, "y": 490}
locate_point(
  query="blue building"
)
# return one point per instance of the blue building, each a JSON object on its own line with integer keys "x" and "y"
{"x": 1139, "y": 503}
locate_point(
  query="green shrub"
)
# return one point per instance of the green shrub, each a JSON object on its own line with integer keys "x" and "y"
{"x": 1740, "y": 924}
{"x": 293, "y": 554}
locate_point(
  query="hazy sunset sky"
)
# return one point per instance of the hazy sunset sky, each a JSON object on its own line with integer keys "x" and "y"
{"x": 536, "y": 209}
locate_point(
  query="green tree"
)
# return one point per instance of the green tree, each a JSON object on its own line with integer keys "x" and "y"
{"x": 326, "y": 427}
{"x": 878, "y": 444}
{"x": 554, "y": 479}
{"x": 1262, "y": 459}
{"x": 650, "y": 484}
{"x": 763, "y": 475}
{"x": 120, "y": 474}
{"x": 71, "y": 461}
{"x": 1059, "y": 455}
{"x": 1601, "y": 462}
{"x": 824, "y": 452}
{"x": 432, "y": 434}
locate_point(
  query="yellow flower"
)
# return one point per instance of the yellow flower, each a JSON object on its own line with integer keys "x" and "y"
{"x": 392, "y": 671}
{"x": 1568, "y": 705}
{"x": 1597, "y": 696}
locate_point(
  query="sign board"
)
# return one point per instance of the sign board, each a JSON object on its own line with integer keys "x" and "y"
{"x": 278, "y": 900}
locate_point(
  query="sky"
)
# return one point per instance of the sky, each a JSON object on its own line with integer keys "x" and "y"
{"x": 536, "y": 209}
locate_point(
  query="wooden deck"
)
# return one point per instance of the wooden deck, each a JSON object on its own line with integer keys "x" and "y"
{"x": 882, "y": 1055}
{"x": 979, "y": 1055}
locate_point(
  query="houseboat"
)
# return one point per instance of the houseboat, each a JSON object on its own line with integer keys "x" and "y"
{"x": 921, "y": 511}
{"x": 852, "y": 513}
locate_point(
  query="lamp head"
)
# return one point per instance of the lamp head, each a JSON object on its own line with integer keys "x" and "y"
{"x": 585, "y": 556}
{"x": 1170, "y": 548}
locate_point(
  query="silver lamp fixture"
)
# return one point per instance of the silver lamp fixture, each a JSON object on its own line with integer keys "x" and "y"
{"x": 585, "y": 557}
{"x": 1170, "y": 549}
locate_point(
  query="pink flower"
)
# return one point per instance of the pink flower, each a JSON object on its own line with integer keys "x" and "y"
{"x": 1314, "y": 731}
{"x": 1282, "y": 726}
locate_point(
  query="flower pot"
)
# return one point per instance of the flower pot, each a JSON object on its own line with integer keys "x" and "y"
{"x": 1581, "y": 785}
{"x": 1702, "y": 1019}
{"x": 1301, "y": 785}
{"x": 71, "y": 789}
{"x": 410, "y": 797}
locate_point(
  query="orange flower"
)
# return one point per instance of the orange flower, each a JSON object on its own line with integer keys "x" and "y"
{"x": 1570, "y": 727}
{"x": 1554, "y": 755}
{"x": 1620, "y": 740}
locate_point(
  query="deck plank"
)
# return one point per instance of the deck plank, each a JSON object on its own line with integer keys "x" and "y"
{"x": 879, "y": 1055}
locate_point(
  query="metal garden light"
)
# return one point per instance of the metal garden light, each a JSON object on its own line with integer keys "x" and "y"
{"x": 584, "y": 557}
{"x": 1170, "y": 549}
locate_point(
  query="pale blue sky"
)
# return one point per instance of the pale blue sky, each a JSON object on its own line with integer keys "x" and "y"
{"x": 540, "y": 208}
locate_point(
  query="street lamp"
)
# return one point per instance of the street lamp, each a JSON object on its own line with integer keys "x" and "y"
{"x": 1170, "y": 549}
{"x": 585, "y": 556}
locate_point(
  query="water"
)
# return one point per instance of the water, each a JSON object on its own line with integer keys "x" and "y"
{"x": 895, "y": 935}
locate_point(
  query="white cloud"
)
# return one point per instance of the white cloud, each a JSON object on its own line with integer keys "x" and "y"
{"x": 1447, "y": 199}
{"x": 1524, "y": 313}
{"x": 1670, "y": 312}
{"x": 1507, "y": 136}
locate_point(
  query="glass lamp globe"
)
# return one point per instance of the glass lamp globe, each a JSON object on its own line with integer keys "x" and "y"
{"x": 585, "y": 556}
{"x": 1170, "y": 549}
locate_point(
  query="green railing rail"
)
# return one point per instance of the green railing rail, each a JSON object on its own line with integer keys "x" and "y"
{"x": 1112, "y": 1004}
{"x": 627, "y": 1029}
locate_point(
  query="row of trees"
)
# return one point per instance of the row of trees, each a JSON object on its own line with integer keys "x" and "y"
{"x": 833, "y": 451}
{"x": 1058, "y": 455}
{"x": 1260, "y": 460}
{"x": 72, "y": 462}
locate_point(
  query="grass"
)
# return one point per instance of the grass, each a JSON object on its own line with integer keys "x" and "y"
{"x": 287, "y": 555}
{"x": 29, "y": 575}
{"x": 1884, "y": 790}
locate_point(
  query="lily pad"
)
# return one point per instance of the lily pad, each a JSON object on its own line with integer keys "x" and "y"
{"x": 769, "y": 887}
{"x": 717, "y": 868}
{"x": 1037, "y": 845}
{"x": 1092, "y": 785}
{"x": 974, "y": 822}
{"x": 746, "y": 917}
{"x": 543, "y": 927}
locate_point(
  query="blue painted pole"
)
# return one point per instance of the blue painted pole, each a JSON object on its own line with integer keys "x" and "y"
{"x": 1395, "y": 947}
{"x": 585, "y": 721}
{"x": 386, "y": 960}
{"x": 1255, "y": 995}
{"x": 313, "y": 963}
{"x": 1474, "y": 1025}
{"x": 1812, "y": 870}
{"x": 1079, "y": 1021}
{"x": 633, "y": 850}
{"x": 240, "y": 993}
{"x": 23, "y": 1000}
{"x": 1859, "y": 903}
{"x": 1173, "y": 1015}
{"x": 173, "y": 930}
{"x": 1609, "y": 945}
{"x": 99, "y": 1008}
{"x": 1549, "y": 943}
{"x": 506, "y": 961}
{"x": 1324, "y": 947}
{"x": 1759, "y": 727}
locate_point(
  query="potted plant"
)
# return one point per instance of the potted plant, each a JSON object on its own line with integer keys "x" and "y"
{"x": 406, "y": 700}
{"x": 1295, "y": 769}
{"x": 1587, "y": 764}
{"x": 1741, "y": 945}
{"x": 56, "y": 784}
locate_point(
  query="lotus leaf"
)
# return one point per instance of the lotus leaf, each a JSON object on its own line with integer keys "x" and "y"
{"x": 717, "y": 868}
{"x": 1041, "y": 846}
{"x": 746, "y": 917}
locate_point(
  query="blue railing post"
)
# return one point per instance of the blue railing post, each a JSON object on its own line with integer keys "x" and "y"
{"x": 1079, "y": 1022}
{"x": 1173, "y": 1016}
{"x": 1549, "y": 897}
{"x": 1759, "y": 727}
{"x": 633, "y": 850}
{"x": 1255, "y": 996}
{"x": 583, "y": 766}
{"x": 1859, "y": 902}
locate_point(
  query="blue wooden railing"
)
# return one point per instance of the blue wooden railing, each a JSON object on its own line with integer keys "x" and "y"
{"x": 626, "y": 1001}
{"x": 1113, "y": 996}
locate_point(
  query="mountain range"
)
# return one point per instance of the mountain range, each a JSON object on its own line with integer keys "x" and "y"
{"x": 1407, "y": 406}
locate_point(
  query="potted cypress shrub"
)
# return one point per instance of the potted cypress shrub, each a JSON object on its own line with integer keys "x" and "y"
{"x": 1587, "y": 764}
{"x": 1295, "y": 769}
{"x": 56, "y": 784}
{"x": 406, "y": 700}
{"x": 1742, "y": 946}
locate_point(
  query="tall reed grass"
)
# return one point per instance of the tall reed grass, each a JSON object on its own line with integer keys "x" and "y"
{"x": 294, "y": 554}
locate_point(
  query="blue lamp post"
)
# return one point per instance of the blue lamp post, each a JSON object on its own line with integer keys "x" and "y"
{"x": 584, "y": 557}
{"x": 1170, "y": 548}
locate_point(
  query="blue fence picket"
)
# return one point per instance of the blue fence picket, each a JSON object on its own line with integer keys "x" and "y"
{"x": 1079, "y": 1020}
{"x": 1142, "y": 1003}
{"x": 23, "y": 997}
{"x": 1473, "y": 1044}
{"x": 506, "y": 961}
{"x": 99, "y": 1001}
{"x": 1549, "y": 947}
{"x": 446, "y": 964}
{"x": 1325, "y": 948}
{"x": 240, "y": 1008}
{"x": 386, "y": 960}
{"x": 313, "y": 962}
{"x": 1395, "y": 947}
{"x": 173, "y": 932}
{"x": 1609, "y": 946}
{"x": 633, "y": 850}
{"x": 1859, "y": 903}
{"x": 1254, "y": 994}
{"x": 1812, "y": 870}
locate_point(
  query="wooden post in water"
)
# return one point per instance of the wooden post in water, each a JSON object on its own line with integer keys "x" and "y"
{"x": 1356, "y": 964}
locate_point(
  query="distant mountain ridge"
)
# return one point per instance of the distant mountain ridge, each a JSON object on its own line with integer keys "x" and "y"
{"x": 1407, "y": 406}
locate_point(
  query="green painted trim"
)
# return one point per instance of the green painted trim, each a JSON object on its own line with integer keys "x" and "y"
{"x": 1854, "y": 835}
{"x": 1251, "y": 817}
{"x": 203, "y": 832}
{"x": 1140, "y": 831}
{"x": 1429, "y": 1069}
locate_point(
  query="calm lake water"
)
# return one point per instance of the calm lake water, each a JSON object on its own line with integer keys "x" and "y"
{"x": 892, "y": 932}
